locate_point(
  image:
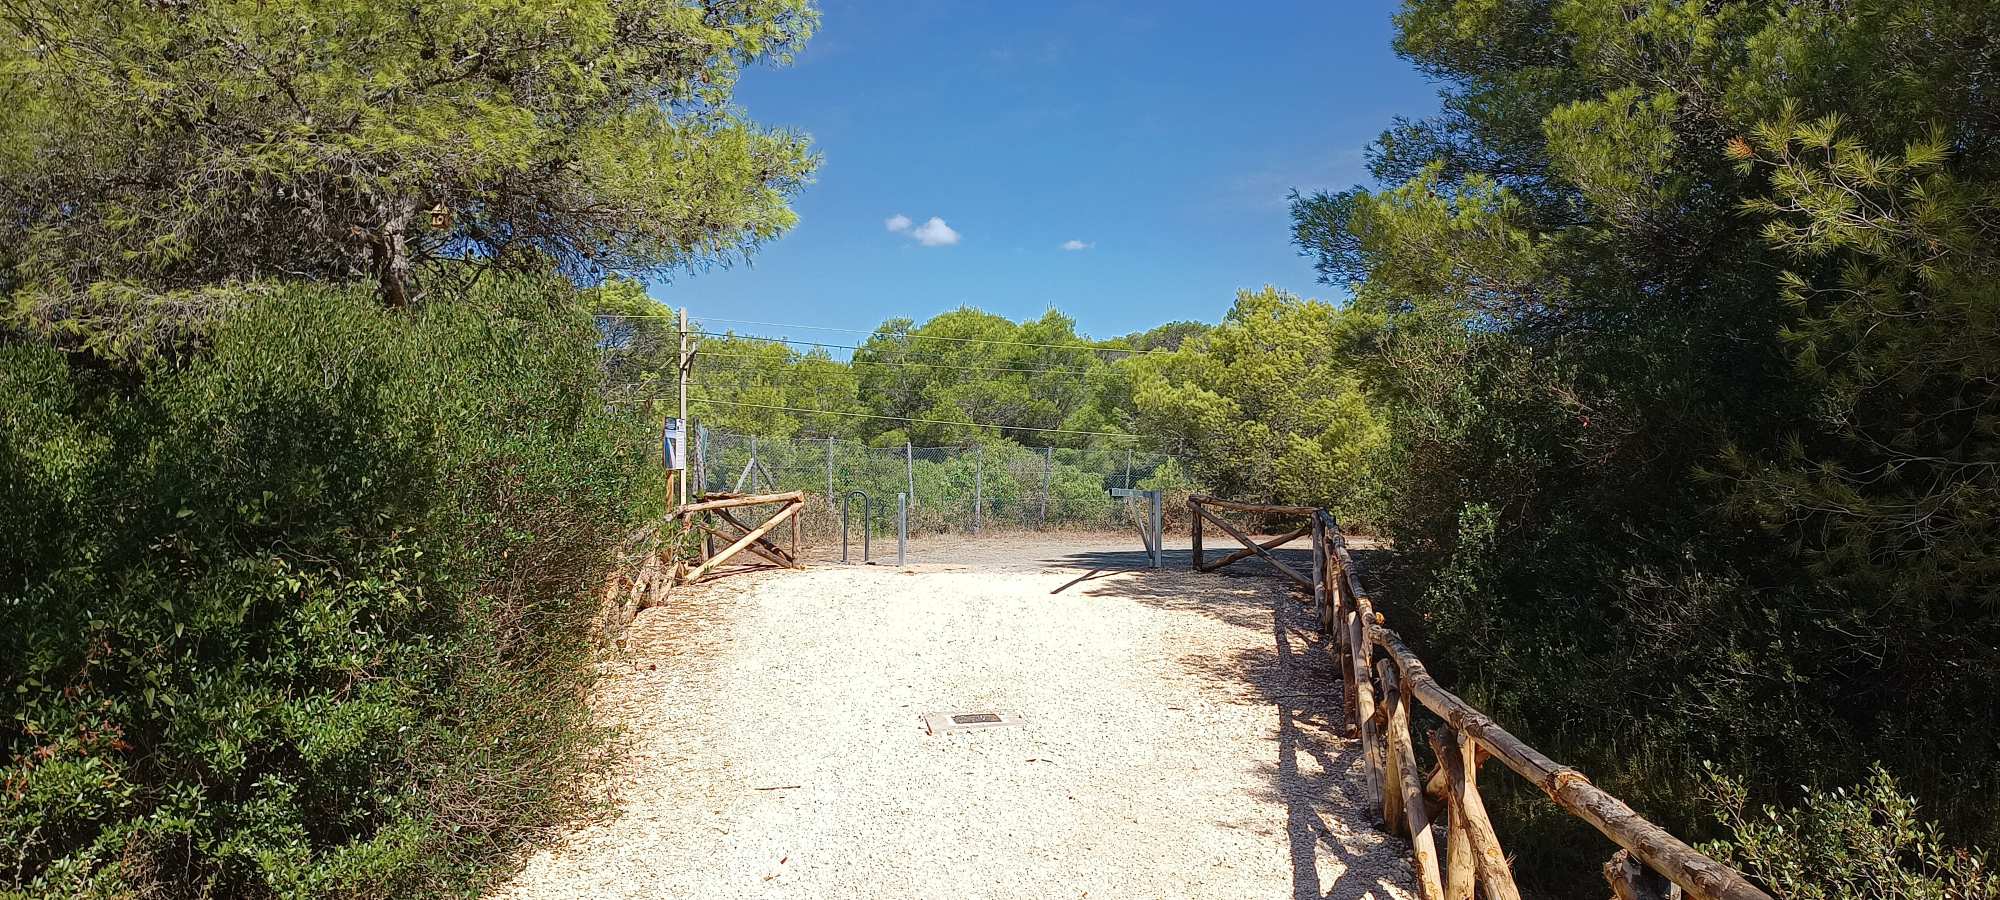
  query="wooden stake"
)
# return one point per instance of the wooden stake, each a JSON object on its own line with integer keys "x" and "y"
{"x": 1407, "y": 785}
{"x": 1194, "y": 530}
{"x": 1459, "y": 761}
{"x": 1358, "y": 672}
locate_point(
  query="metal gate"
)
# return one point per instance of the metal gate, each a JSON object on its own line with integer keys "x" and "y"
{"x": 1149, "y": 525}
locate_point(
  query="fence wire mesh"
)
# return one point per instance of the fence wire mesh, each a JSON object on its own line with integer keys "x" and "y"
{"x": 951, "y": 490}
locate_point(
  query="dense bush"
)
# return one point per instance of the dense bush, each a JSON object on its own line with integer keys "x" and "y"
{"x": 1689, "y": 354}
{"x": 292, "y": 602}
{"x": 1867, "y": 841}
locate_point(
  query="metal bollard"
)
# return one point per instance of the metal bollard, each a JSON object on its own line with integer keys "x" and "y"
{"x": 847, "y": 503}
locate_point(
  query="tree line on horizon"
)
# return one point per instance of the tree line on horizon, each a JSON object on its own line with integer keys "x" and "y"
{"x": 1265, "y": 404}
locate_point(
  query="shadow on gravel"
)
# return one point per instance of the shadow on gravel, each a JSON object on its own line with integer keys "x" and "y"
{"x": 1183, "y": 560}
{"x": 1373, "y": 562}
{"x": 1298, "y": 677}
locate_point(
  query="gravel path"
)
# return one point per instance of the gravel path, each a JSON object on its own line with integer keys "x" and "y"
{"x": 1180, "y": 740}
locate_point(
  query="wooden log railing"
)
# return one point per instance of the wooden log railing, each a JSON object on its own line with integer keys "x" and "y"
{"x": 739, "y": 534}
{"x": 1383, "y": 680}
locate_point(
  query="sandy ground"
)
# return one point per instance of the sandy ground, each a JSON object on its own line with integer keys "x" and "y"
{"x": 1181, "y": 738}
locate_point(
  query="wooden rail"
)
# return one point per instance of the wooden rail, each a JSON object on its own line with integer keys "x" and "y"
{"x": 741, "y": 535}
{"x": 1381, "y": 689}
{"x": 1199, "y": 510}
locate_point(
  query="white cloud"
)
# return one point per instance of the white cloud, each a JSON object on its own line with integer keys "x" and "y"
{"x": 897, "y": 222}
{"x": 935, "y": 233}
{"x": 1076, "y": 245}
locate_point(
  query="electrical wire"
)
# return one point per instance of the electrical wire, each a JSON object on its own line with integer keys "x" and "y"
{"x": 884, "y": 362}
{"x": 919, "y": 337}
{"x": 858, "y": 415}
{"x": 1082, "y": 345}
{"x": 781, "y": 340}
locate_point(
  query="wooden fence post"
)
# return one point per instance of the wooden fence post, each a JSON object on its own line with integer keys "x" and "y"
{"x": 1194, "y": 529}
{"x": 1461, "y": 874}
{"x": 1319, "y": 573}
{"x": 1359, "y": 653}
{"x": 1406, "y": 785}
{"x": 1343, "y": 625}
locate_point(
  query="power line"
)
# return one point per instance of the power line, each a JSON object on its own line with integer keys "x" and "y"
{"x": 920, "y": 337}
{"x": 887, "y": 362}
{"x": 1081, "y": 345}
{"x": 859, "y": 415}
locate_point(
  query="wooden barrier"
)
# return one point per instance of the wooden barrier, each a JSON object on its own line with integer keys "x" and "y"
{"x": 1199, "y": 509}
{"x": 1379, "y": 690}
{"x": 741, "y": 536}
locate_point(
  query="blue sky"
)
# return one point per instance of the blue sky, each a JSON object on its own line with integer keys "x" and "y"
{"x": 1160, "y": 138}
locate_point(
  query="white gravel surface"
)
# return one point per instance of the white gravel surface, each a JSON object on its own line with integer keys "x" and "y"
{"x": 1182, "y": 738}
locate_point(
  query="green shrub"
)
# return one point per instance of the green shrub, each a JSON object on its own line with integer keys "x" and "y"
{"x": 301, "y": 611}
{"x": 1861, "y": 844}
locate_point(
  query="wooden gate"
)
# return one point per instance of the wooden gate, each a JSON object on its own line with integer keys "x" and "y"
{"x": 1202, "y": 507}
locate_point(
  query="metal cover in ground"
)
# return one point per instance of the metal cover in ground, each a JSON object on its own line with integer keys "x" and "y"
{"x": 945, "y": 723}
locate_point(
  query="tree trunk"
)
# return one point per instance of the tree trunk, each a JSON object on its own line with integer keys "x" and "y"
{"x": 389, "y": 254}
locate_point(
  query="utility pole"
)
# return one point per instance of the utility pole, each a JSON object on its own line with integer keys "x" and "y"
{"x": 686, "y": 364}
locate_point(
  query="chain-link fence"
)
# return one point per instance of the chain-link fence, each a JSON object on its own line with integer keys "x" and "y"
{"x": 966, "y": 490}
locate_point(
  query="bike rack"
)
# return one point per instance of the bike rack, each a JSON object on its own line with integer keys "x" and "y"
{"x": 867, "y": 509}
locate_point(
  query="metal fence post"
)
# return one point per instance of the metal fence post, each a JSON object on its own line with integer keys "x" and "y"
{"x": 1159, "y": 549}
{"x": 902, "y": 527}
{"x": 1048, "y": 470}
{"x": 910, "y": 470}
{"x": 701, "y": 459}
{"x": 1128, "y": 468}
{"x": 978, "y": 484}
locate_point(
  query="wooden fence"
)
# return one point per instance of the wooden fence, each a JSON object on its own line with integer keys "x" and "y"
{"x": 1382, "y": 679}
{"x": 715, "y": 515}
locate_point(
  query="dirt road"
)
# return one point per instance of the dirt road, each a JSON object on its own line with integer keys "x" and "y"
{"x": 1179, "y": 737}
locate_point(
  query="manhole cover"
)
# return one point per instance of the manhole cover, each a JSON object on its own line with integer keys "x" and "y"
{"x": 944, "y": 723}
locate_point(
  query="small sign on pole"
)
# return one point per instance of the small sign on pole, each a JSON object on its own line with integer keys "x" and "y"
{"x": 673, "y": 444}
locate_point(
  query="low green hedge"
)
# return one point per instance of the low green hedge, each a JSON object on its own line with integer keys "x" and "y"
{"x": 298, "y": 606}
